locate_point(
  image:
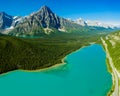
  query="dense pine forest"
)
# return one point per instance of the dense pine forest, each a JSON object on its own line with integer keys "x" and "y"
{"x": 36, "y": 53}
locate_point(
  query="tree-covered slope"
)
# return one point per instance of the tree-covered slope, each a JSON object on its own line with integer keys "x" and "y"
{"x": 113, "y": 42}
{"x": 37, "y": 53}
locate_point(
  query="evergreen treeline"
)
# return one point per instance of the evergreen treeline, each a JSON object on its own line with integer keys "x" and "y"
{"x": 37, "y": 53}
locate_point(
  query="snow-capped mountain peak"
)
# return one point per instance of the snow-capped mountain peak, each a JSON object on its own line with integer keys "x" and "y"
{"x": 95, "y": 23}
{"x": 80, "y": 21}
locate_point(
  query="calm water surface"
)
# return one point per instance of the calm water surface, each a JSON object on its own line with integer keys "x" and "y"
{"x": 85, "y": 74}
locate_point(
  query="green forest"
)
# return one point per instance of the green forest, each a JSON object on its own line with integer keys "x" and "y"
{"x": 37, "y": 53}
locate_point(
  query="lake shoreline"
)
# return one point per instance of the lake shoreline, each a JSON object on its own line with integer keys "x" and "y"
{"x": 45, "y": 68}
{"x": 108, "y": 68}
{"x": 61, "y": 65}
{"x": 114, "y": 91}
{"x": 55, "y": 65}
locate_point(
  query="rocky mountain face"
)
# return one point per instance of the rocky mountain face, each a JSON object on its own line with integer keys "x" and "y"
{"x": 80, "y": 21}
{"x": 38, "y": 23}
{"x": 42, "y": 22}
{"x": 8, "y": 22}
{"x": 5, "y": 20}
{"x": 16, "y": 20}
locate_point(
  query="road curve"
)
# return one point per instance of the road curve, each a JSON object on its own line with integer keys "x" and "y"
{"x": 115, "y": 76}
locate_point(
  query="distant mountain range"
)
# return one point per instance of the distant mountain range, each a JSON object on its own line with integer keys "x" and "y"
{"x": 80, "y": 21}
{"x": 44, "y": 22}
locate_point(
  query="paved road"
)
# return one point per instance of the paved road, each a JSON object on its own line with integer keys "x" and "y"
{"x": 114, "y": 71}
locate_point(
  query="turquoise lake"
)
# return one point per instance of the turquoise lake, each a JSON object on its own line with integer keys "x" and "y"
{"x": 85, "y": 74}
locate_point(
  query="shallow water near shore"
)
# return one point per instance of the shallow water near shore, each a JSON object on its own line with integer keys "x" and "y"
{"x": 84, "y": 74}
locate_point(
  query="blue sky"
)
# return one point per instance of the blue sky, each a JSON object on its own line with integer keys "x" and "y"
{"x": 101, "y": 10}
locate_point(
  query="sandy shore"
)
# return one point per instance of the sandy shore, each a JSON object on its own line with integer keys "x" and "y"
{"x": 44, "y": 69}
{"x": 53, "y": 66}
{"x": 47, "y": 68}
{"x": 38, "y": 70}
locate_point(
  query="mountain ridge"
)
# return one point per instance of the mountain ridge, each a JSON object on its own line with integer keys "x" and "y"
{"x": 43, "y": 22}
{"x": 5, "y": 20}
{"x": 96, "y": 23}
